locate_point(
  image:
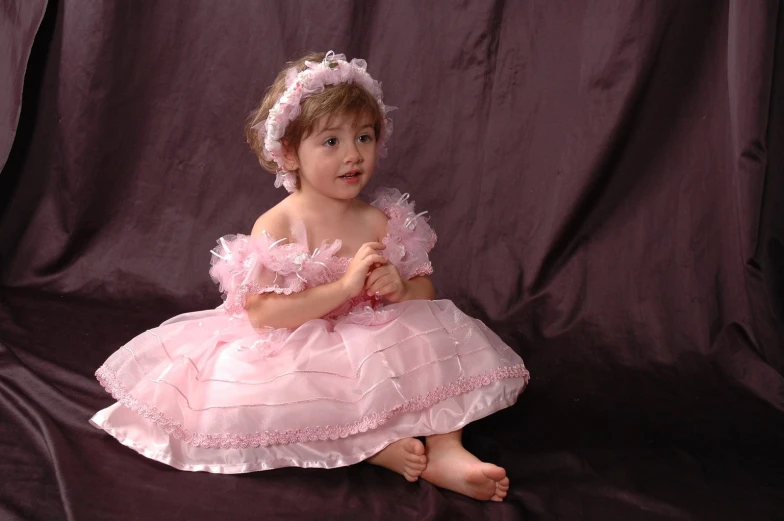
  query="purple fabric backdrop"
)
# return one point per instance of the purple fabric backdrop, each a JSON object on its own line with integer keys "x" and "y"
{"x": 605, "y": 176}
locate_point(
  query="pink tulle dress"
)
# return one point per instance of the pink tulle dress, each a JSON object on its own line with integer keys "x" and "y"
{"x": 205, "y": 391}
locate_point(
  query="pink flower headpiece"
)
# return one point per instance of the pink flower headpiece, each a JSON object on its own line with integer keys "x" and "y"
{"x": 333, "y": 70}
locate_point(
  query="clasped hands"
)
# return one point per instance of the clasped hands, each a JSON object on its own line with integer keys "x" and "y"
{"x": 372, "y": 273}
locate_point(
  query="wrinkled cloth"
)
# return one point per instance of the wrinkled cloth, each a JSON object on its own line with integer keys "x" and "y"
{"x": 206, "y": 391}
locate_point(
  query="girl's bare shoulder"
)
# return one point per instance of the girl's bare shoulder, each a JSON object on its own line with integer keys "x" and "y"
{"x": 375, "y": 218}
{"x": 276, "y": 221}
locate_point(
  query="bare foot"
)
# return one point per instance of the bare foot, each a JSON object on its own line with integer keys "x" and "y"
{"x": 452, "y": 467}
{"x": 406, "y": 457}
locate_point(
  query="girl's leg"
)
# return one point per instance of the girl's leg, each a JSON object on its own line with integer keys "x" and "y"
{"x": 451, "y": 466}
{"x": 406, "y": 457}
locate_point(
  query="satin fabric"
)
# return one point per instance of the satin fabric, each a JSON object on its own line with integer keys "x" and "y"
{"x": 208, "y": 391}
{"x": 332, "y": 394}
{"x": 605, "y": 178}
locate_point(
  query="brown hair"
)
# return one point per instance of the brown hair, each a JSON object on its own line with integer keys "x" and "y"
{"x": 343, "y": 99}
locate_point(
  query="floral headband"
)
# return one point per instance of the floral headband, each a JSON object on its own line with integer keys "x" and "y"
{"x": 333, "y": 70}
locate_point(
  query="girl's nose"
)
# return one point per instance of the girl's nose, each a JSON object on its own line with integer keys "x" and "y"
{"x": 352, "y": 154}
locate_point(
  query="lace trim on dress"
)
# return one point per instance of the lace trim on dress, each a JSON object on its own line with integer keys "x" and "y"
{"x": 108, "y": 379}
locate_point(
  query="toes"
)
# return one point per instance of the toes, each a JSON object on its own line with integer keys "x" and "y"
{"x": 414, "y": 446}
{"x": 413, "y": 458}
{"x": 412, "y": 472}
{"x": 501, "y": 490}
{"x": 417, "y": 467}
{"x": 494, "y": 472}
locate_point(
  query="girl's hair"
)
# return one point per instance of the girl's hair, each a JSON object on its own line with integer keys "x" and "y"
{"x": 343, "y": 99}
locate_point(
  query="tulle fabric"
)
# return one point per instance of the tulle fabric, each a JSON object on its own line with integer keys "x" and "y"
{"x": 243, "y": 265}
{"x": 207, "y": 391}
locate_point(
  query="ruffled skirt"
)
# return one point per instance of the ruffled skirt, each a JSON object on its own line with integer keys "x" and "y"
{"x": 207, "y": 392}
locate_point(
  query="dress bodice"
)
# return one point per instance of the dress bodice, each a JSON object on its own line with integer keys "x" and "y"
{"x": 243, "y": 265}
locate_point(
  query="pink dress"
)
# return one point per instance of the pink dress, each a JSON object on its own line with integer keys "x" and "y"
{"x": 206, "y": 391}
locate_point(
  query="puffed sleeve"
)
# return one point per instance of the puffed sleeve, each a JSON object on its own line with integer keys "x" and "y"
{"x": 243, "y": 265}
{"x": 409, "y": 237}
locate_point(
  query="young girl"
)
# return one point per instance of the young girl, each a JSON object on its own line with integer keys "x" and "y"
{"x": 329, "y": 348}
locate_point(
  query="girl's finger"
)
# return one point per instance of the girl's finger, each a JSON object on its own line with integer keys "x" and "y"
{"x": 387, "y": 289}
{"x": 371, "y": 289}
{"x": 369, "y": 248}
{"x": 377, "y": 274}
{"x": 373, "y": 259}
{"x": 377, "y": 284}
{"x": 372, "y": 278}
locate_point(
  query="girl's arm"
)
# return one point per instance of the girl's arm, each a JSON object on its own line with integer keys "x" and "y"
{"x": 291, "y": 311}
{"x": 386, "y": 282}
{"x": 419, "y": 288}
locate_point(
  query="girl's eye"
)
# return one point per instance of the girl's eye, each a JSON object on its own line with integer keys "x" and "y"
{"x": 365, "y": 138}
{"x": 331, "y": 142}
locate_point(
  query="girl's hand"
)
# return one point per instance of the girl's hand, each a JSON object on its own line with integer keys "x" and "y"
{"x": 367, "y": 256}
{"x": 385, "y": 282}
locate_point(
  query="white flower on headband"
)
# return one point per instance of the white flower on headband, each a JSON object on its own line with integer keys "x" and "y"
{"x": 287, "y": 180}
{"x": 333, "y": 70}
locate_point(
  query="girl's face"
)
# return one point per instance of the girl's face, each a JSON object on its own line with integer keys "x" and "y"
{"x": 337, "y": 160}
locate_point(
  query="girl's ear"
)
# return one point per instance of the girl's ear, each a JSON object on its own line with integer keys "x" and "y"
{"x": 290, "y": 157}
